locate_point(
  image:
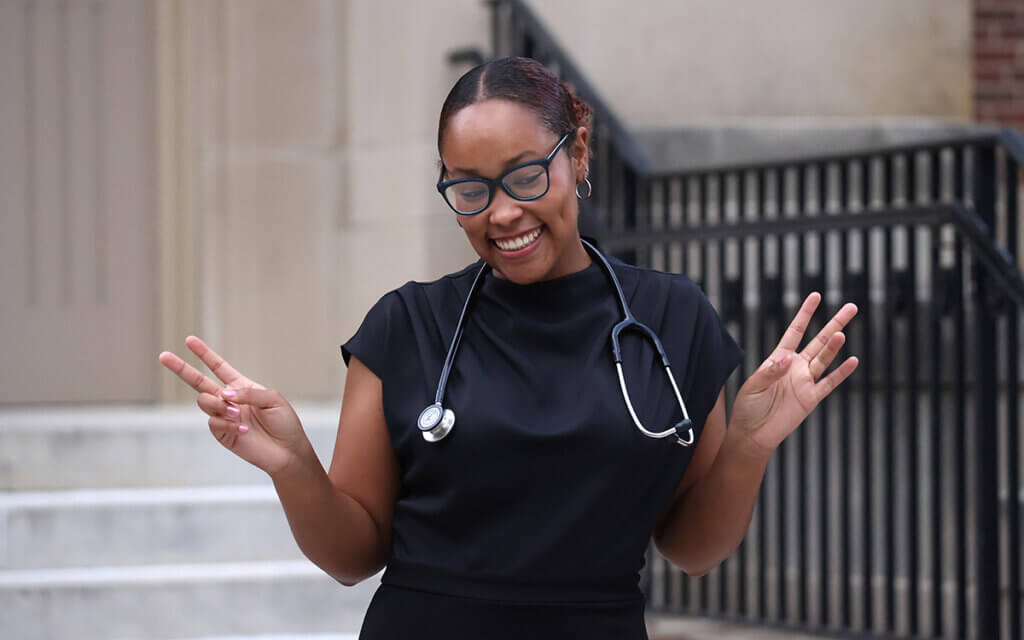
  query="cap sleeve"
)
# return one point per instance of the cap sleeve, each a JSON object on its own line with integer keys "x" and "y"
{"x": 376, "y": 335}
{"x": 713, "y": 355}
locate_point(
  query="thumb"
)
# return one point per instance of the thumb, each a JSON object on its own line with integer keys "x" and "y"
{"x": 770, "y": 370}
{"x": 254, "y": 396}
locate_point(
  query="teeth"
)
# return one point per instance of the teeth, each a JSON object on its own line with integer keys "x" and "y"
{"x": 518, "y": 243}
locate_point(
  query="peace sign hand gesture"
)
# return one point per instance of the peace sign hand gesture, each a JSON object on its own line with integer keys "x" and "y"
{"x": 253, "y": 422}
{"x": 784, "y": 390}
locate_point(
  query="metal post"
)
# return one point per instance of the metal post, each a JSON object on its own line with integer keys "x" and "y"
{"x": 986, "y": 525}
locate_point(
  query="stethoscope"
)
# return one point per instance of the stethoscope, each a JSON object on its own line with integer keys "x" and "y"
{"x": 436, "y": 422}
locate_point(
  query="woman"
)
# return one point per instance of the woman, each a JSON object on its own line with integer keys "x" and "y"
{"x": 530, "y": 518}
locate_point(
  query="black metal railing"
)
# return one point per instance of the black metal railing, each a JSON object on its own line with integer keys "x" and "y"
{"x": 894, "y": 511}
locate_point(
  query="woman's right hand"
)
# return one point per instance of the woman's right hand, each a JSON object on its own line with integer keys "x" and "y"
{"x": 253, "y": 422}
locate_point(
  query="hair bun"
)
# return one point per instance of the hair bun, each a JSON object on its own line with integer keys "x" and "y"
{"x": 580, "y": 112}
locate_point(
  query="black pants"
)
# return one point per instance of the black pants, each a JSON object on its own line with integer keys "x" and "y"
{"x": 398, "y": 612}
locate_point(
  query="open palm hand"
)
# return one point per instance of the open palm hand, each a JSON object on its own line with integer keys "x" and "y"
{"x": 787, "y": 386}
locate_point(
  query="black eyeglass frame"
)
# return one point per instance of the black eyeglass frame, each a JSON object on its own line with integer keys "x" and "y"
{"x": 499, "y": 181}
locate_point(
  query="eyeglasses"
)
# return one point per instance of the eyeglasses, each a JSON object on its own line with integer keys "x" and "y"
{"x": 527, "y": 181}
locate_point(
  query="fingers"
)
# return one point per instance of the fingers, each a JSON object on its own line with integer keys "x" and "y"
{"x": 218, "y": 365}
{"x": 226, "y": 431}
{"x": 795, "y": 332}
{"x": 837, "y": 323}
{"x": 834, "y": 379}
{"x": 770, "y": 370}
{"x": 826, "y": 355}
{"x": 253, "y": 396}
{"x": 191, "y": 376}
{"x": 214, "y": 406}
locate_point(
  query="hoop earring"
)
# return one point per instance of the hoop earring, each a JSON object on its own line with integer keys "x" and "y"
{"x": 590, "y": 190}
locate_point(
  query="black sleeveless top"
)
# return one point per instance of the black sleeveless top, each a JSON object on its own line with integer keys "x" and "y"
{"x": 533, "y": 515}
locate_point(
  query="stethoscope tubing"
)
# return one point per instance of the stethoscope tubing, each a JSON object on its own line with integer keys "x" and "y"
{"x": 436, "y": 422}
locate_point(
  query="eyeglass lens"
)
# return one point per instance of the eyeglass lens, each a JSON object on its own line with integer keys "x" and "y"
{"x": 525, "y": 183}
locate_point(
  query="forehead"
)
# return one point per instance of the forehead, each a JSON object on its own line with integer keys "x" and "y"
{"x": 486, "y": 135}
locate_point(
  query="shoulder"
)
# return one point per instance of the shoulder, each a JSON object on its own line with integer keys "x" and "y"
{"x": 414, "y": 293}
{"x": 401, "y": 314}
{"x": 651, "y": 287}
{"x": 457, "y": 281}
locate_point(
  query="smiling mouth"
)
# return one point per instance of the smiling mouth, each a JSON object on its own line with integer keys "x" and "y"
{"x": 519, "y": 242}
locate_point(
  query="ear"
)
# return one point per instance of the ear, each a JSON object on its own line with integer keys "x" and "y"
{"x": 580, "y": 154}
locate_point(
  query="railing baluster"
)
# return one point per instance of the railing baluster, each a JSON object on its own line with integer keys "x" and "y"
{"x": 987, "y": 458}
{"x": 758, "y": 348}
{"x": 820, "y": 424}
{"x": 1013, "y": 453}
{"x": 960, "y": 443}
{"x": 802, "y": 473}
{"x": 935, "y": 470}
{"x": 889, "y": 405}
{"x": 911, "y": 396}
{"x": 741, "y": 334}
{"x": 705, "y": 270}
{"x": 845, "y": 198}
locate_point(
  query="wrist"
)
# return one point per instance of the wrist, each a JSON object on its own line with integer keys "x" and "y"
{"x": 741, "y": 443}
{"x": 295, "y": 463}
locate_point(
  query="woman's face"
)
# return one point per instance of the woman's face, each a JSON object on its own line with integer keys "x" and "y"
{"x": 485, "y": 139}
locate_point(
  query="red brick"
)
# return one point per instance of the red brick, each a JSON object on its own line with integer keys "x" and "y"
{"x": 1005, "y": 56}
{"x": 995, "y": 14}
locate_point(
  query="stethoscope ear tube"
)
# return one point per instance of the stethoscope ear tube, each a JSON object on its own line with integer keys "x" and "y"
{"x": 435, "y": 422}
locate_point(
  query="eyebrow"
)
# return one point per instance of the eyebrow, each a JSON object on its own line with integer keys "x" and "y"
{"x": 509, "y": 163}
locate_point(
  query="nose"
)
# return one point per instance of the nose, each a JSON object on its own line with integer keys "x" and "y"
{"x": 504, "y": 209}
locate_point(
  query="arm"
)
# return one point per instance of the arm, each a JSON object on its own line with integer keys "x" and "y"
{"x": 707, "y": 519}
{"x": 341, "y": 519}
{"x": 711, "y": 510}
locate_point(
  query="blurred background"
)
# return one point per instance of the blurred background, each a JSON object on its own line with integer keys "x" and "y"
{"x": 260, "y": 172}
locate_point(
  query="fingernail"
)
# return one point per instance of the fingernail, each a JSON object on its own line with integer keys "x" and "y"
{"x": 243, "y": 428}
{"x": 233, "y": 411}
{"x": 229, "y": 394}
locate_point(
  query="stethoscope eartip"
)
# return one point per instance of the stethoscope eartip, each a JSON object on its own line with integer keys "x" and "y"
{"x": 684, "y": 432}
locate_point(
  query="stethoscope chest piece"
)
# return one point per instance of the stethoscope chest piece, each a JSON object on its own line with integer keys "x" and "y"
{"x": 435, "y": 422}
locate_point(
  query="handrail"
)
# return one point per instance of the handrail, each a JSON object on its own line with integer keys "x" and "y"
{"x": 998, "y": 263}
{"x": 1013, "y": 143}
{"x": 992, "y": 137}
{"x": 631, "y": 152}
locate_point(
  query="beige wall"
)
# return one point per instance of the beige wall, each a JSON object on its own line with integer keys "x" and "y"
{"x": 309, "y": 162}
{"x": 76, "y": 202}
{"x": 689, "y": 60}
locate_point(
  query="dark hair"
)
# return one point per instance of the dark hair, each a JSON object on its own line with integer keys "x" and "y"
{"x": 521, "y": 80}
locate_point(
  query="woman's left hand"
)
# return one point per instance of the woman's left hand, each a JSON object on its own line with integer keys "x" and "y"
{"x": 787, "y": 386}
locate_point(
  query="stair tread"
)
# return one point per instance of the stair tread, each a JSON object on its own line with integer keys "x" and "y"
{"x": 63, "y": 498}
{"x": 138, "y": 417}
{"x": 162, "y": 574}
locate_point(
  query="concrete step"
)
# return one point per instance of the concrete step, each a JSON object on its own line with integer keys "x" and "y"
{"x": 290, "y": 636}
{"x": 179, "y": 601}
{"x": 44, "y": 449}
{"x": 119, "y": 527}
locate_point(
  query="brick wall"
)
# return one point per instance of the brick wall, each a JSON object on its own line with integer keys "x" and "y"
{"x": 999, "y": 62}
